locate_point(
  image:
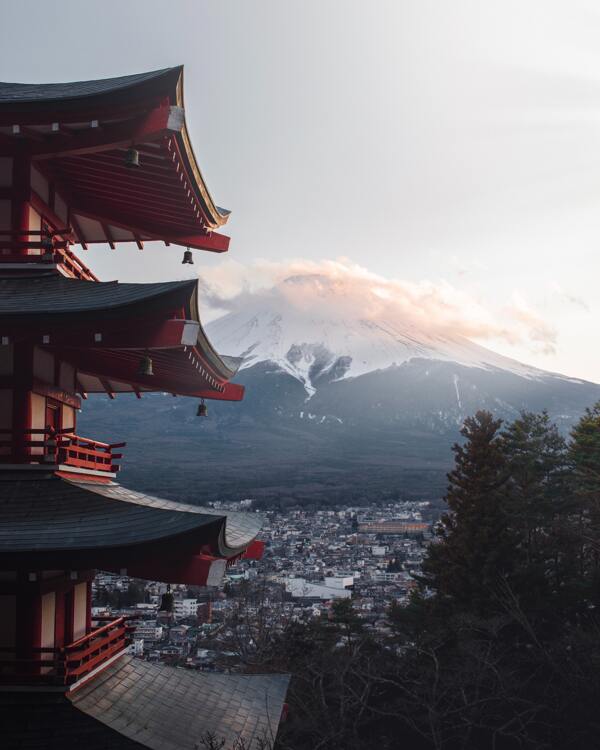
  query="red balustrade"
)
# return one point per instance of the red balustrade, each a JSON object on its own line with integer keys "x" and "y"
{"x": 46, "y": 248}
{"x": 66, "y": 665}
{"x": 46, "y": 446}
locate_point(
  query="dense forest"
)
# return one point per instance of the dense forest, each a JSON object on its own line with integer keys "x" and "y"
{"x": 499, "y": 647}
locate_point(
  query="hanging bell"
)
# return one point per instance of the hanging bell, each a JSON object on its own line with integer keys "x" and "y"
{"x": 187, "y": 257}
{"x": 132, "y": 158}
{"x": 202, "y": 409}
{"x": 145, "y": 366}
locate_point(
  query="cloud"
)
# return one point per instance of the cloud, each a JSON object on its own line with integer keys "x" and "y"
{"x": 540, "y": 333}
{"x": 340, "y": 288}
{"x": 569, "y": 299}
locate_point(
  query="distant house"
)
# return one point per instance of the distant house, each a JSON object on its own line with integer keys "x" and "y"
{"x": 300, "y": 588}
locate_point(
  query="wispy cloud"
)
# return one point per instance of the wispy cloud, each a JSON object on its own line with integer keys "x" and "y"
{"x": 568, "y": 298}
{"x": 340, "y": 287}
{"x": 541, "y": 334}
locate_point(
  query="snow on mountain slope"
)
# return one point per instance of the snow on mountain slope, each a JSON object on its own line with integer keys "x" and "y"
{"x": 329, "y": 341}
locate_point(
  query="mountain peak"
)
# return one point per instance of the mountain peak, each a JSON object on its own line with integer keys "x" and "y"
{"x": 340, "y": 338}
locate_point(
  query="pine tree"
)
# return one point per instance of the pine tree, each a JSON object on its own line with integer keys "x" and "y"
{"x": 540, "y": 511}
{"x": 584, "y": 452}
{"x": 475, "y": 551}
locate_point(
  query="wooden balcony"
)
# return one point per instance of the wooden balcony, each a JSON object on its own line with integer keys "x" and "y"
{"x": 47, "y": 247}
{"x": 59, "y": 448}
{"x": 66, "y": 665}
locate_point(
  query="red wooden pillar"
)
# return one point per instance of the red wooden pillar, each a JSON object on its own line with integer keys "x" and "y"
{"x": 21, "y": 196}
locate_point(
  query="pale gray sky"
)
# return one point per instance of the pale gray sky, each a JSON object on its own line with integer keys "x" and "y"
{"x": 453, "y": 143}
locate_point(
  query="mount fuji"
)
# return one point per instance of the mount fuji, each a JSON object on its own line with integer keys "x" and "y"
{"x": 344, "y": 401}
{"x": 342, "y": 343}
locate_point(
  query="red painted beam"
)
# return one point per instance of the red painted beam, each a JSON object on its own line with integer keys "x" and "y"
{"x": 115, "y": 191}
{"x": 113, "y": 161}
{"x": 52, "y": 218}
{"x": 94, "y": 167}
{"x": 146, "y": 208}
{"x": 166, "y": 334}
{"x": 113, "y": 185}
{"x": 122, "y": 366}
{"x": 211, "y": 241}
{"x": 161, "y": 121}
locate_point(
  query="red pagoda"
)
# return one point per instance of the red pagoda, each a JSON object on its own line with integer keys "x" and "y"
{"x": 105, "y": 161}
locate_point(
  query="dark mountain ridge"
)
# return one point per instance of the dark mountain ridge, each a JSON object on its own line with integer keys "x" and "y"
{"x": 381, "y": 434}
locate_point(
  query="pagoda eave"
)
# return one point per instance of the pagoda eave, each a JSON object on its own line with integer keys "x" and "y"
{"x": 83, "y": 524}
{"x": 174, "y": 372}
{"x": 79, "y": 142}
{"x": 106, "y": 329}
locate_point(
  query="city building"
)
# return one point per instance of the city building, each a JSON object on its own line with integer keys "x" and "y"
{"x": 103, "y": 162}
{"x": 393, "y": 527}
{"x": 149, "y": 631}
{"x": 300, "y": 588}
{"x": 185, "y": 608}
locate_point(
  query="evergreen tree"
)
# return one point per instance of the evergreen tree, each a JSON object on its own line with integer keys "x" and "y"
{"x": 539, "y": 508}
{"x": 584, "y": 452}
{"x": 476, "y": 550}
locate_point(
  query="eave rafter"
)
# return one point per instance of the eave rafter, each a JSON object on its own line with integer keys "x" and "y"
{"x": 159, "y": 122}
{"x": 151, "y": 202}
{"x": 172, "y": 373}
{"x": 170, "y": 233}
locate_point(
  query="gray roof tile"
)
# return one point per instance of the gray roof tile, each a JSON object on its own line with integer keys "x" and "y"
{"x": 187, "y": 706}
{"x": 58, "y": 514}
{"x": 53, "y": 293}
{"x": 50, "y": 92}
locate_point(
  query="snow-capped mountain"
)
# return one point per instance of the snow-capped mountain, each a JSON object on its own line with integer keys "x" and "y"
{"x": 325, "y": 343}
{"x": 315, "y": 350}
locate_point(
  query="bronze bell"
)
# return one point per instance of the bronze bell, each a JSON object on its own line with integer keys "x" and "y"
{"x": 202, "y": 409}
{"x": 145, "y": 366}
{"x": 187, "y": 257}
{"x": 132, "y": 158}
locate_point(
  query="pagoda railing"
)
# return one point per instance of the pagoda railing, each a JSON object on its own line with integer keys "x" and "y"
{"x": 47, "y": 247}
{"x": 59, "y": 447}
{"x": 67, "y": 664}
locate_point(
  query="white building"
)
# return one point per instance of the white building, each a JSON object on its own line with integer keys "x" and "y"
{"x": 379, "y": 550}
{"x": 148, "y": 631}
{"x": 300, "y": 588}
{"x": 185, "y": 608}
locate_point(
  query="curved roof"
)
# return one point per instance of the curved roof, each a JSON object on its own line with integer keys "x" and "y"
{"x": 238, "y": 531}
{"x": 77, "y": 134}
{"x": 173, "y": 709}
{"x": 55, "y": 294}
{"x": 54, "y": 515}
{"x": 186, "y": 365}
{"x": 11, "y": 93}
